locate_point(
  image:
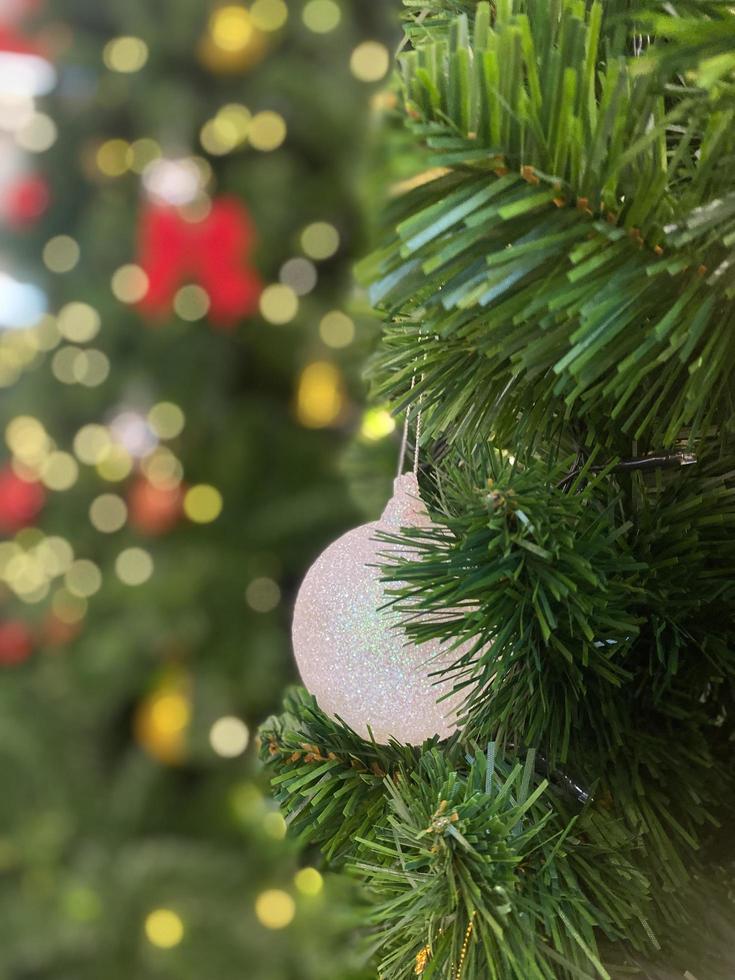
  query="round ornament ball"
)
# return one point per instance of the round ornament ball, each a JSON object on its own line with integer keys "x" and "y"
{"x": 350, "y": 650}
{"x": 21, "y": 501}
{"x": 16, "y": 642}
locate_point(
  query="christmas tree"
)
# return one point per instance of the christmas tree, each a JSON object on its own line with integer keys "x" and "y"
{"x": 180, "y": 353}
{"x": 557, "y": 287}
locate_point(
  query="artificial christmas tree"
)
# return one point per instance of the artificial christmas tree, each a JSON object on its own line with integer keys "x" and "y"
{"x": 557, "y": 285}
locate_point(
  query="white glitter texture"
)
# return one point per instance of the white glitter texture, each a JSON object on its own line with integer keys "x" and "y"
{"x": 350, "y": 653}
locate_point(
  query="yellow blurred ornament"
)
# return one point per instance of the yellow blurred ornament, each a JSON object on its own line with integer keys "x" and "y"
{"x": 233, "y": 42}
{"x": 163, "y": 717}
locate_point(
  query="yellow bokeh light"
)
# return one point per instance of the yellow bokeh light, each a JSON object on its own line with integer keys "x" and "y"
{"x": 322, "y": 16}
{"x": 267, "y": 131}
{"x": 279, "y": 304}
{"x": 171, "y": 712}
{"x": 55, "y": 554}
{"x": 319, "y": 400}
{"x": 229, "y": 737}
{"x": 274, "y": 825}
{"x": 129, "y": 283}
{"x": 377, "y": 423}
{"x": 269, "y": 15}
{"x": 83, "y": 579}
{"x": 275, "y": 909}
{"x": 108, "y": 513}
{"x": 145, "y": 151}
{"x": 27, "y": 440}
{"x": 164, "y": 928}
{"x": 59, "y": 471}
{"x": 370, "y": 61}
{"x": 163, "y": 469}
{"x": 114, "y": 157}
{"x": 65, "y": 364}
{"x": 38, "y": 134}
{"x": 231, "y": 28}
{"x": 337, "y": 330}
{"x": 78, "y": 322}
{"x": 125, "y": 54}
{"x": 60, "y": 254}
{"x": 46, "y": 332}
{"x": 263, "y": 595}
{"x": 115, "y": 464}
{"x": 167, "y": 420}
{"x": 70, "y": 609}
{"x": 91, "y": 444}
{"x": 191, "y": 303}
{"x": 91, "y": 368}
{"x": 203, "y": 504}
{"x": 133, "y": 566}
{"x": 320, "y": 240}
{"x": 309, "y": 882}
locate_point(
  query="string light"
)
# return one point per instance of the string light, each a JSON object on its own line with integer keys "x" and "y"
{"x": 370, "y": 61}
{"x": 164, "y": 928}
{"x": 229, "y": 737}
{"x": 129, "y": 283}
{"x": 68, "y": 608}
{"x": 321, "y": 16}
{"x": 38, "y": 134}
{"x": 337, "y": 330}
{"x": 108, "y": 513}
{"x": 60, "y": 254}
{"x": 91, "y": 444}
{"x": 309, "y": 882}
{"x": 167, "y": 420}
{"x": 115, "y": 464}
{"x": 163, "y": 469}
{"x": 83, "y": 579}
{"x": 203, "y": 504}
{"x": 191, "y": 303}
{"x": 319, "y": 400}
{"x": 274, "y": 825}
{"x": 78, "y": 322}
{"x": 114, "y": 158}
{"x": 269, "y": 15}
{"x": 377, "y": 423}
{"x": 300, "y": 275}
{"x": 275, "y": 909}
{"x": 125, "y": 54}
{"x": 133, "y": 566}
{"x": 263, "y": 595}
{"x": 279, "y": 304}
{"x": 320, "y": 240}
{"x": 267, "y": 131}
{"x": 59, "y": 471}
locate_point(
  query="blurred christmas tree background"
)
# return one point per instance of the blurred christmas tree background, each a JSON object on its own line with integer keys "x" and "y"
{"x": 181, "y": 192}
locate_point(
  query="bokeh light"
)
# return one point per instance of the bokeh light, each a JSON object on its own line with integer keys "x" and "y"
{"x": 320, "y": 240}
{"x": 267, "y": 131}
{"x": 125, "y": 54}
{"x": 134, "y": 566}
{"x": 279, "y": 304}
{"x": 203, "y": 504}
{"x": 164, "y": 928}
{"x": 263, "y": 595}
{"x": 61, "y": 254}
{"x": 167, "y": 420}
{"x": 321, "y": 16}
{"x": 319, "y": 399}
{"x": 309, "y": 882}
{"x": 229, "y": 737}
{"x": 377, "y": 423}
{"x": 275, "y": 909}
{"x": 108, "y": 513}
{"x": 337, "y": 330}
{"x": 129, "y": 283}
{"x": 78, "y": 322}
{"x": 269, "y": 15}
{"x": 370, "y": 61}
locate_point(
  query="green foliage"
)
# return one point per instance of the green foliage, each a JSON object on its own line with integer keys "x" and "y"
{"x": 460, "y": 851}
{"x": 554, "y": 263}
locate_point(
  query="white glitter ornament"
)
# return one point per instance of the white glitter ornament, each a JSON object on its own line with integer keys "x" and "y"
{"x": 351, "y": 655}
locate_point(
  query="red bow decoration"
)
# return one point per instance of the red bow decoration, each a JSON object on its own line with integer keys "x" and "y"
{"x": 214, "y": 253}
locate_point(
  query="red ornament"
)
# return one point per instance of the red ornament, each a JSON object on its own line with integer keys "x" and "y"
{"x": 21, "y": 501}
{"x": 214, "y": 253}
{"x": 26, "y": 200}
{"x": 16, "y": 642}
{"x": 154, "y": 510}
